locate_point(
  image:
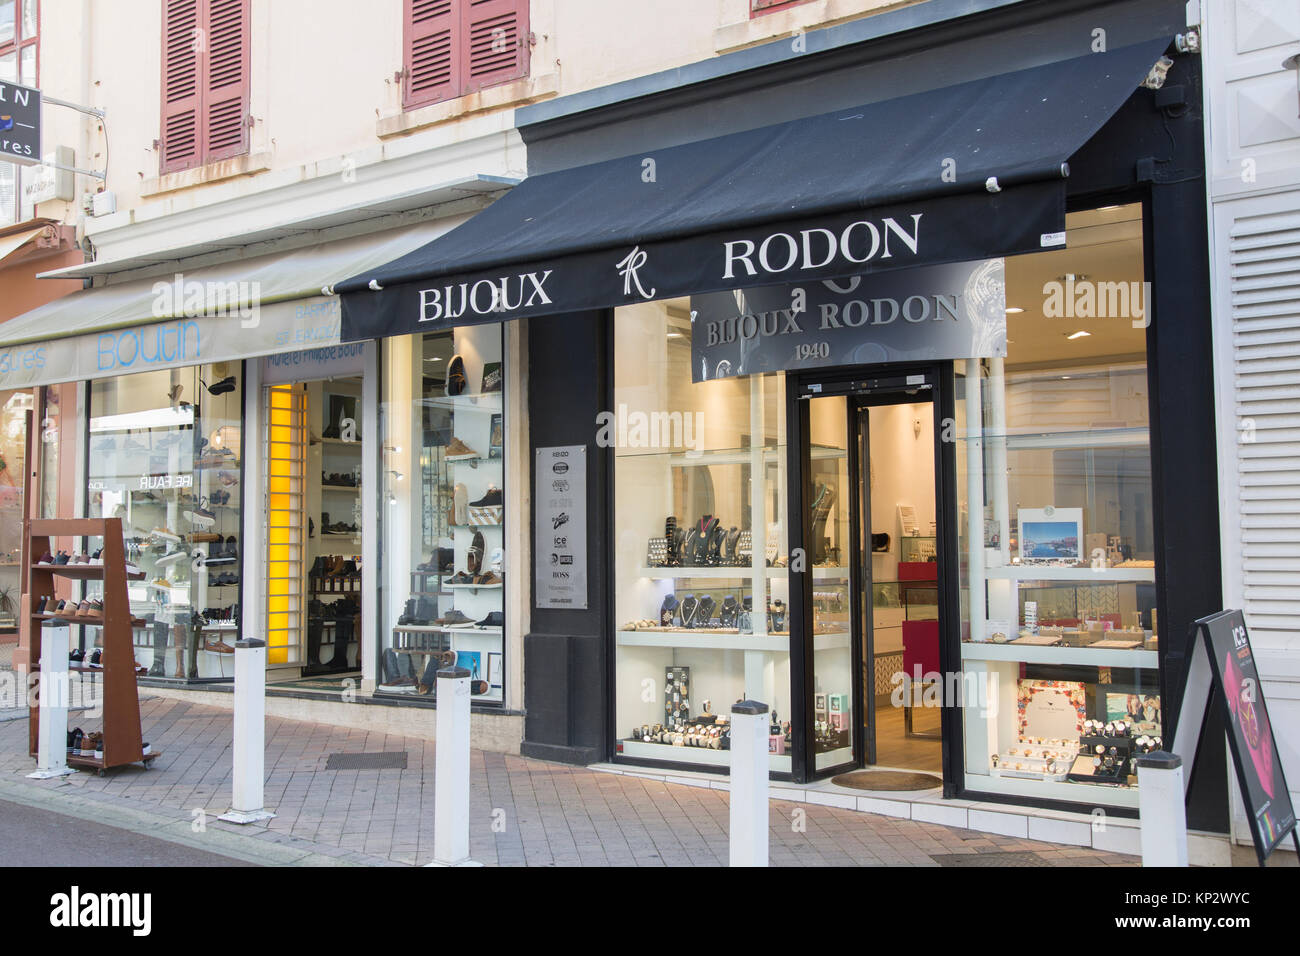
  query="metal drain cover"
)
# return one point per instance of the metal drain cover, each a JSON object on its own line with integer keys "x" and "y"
{"x": 385, "y": 760}
{"x": 989, "y": 859}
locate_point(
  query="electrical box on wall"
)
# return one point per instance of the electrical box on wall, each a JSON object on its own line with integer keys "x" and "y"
{"x": 104, "y": 204}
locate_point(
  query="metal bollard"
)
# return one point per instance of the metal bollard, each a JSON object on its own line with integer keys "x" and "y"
{"x": 52, "y": 718}
{"x": 749, "y": 786}
{"x": 451, "y": 771}
{"x": 249, "y": 749}
{"x": 1162, "y": 812}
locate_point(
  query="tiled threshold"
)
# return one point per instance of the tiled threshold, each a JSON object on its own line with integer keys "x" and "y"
{"x": 1114, "y": 834}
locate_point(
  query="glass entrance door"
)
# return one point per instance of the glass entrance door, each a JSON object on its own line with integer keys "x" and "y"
{"x": 872, "y": 596}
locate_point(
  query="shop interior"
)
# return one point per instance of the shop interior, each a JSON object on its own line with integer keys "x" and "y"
{"x": 314, "y": 597}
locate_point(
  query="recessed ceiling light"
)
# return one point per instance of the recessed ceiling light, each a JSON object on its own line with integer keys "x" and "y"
{"x": 434, "y": 359}
{"x": 1065, "y": 378}
{"x": 1081, "y": 334}
{"x": 674, "y": 335}
{"x": 1013, "y": 310}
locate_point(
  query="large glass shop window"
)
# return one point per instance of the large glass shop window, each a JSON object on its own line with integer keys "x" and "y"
{"x": 443, "y": 512}
{"x": 165, "y": 452}
{"x": 1059, "y": 621}
{"x": 14, "y": 406}
{"x": 702, "y": 590}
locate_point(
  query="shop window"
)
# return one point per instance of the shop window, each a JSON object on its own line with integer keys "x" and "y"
{"x": 14, "y": 407}
{"x": 19, "y": 21}
{"x": 702, "y": 587}
{"x": 455, "y": 47}
{"x": 443, "y": 512}
{"x": 1059, "y": 620}
{"x": 205, "y": 85}
{"x": 165, "y": 450}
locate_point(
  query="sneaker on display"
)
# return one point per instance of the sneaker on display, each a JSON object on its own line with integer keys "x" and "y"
{"x": 456, "y": 380}
{"x": 459, "y": 451}
{"x": 489, "y": 500}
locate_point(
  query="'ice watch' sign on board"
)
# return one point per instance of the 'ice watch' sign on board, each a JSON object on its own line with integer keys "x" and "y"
{"x": 20, "y": 124}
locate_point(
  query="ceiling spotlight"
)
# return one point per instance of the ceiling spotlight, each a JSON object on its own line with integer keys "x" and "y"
{"x": 674, "y": 335}
{"x": 1081, "y": 334}
{"x": 1013, "y": 310}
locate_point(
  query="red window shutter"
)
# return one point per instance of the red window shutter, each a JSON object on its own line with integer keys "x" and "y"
{"x": 225, "y": 88}
{"x": 494, "y": 38}
{"x": 432, "y": 56}
{"x": 182, "y": 145}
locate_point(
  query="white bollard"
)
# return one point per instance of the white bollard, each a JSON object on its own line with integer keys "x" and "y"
{"x": 249, "y": 750}
{"x": 451, "y": 771}
{"x": 749, "y": 786}
{"x": 1162, "y": 812}
{"x": 52, "y": 718}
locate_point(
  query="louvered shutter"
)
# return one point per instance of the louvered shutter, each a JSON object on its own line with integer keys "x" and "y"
{"x": 1264, "y": 259}
{"x": 432, "y": 54}
{"x": 225, "y": 93}
{"x": 182, "y": 133}
{"x": 494, "y": 41}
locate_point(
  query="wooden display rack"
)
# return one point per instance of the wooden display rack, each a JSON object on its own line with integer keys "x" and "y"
{"x": 122, "y": 738}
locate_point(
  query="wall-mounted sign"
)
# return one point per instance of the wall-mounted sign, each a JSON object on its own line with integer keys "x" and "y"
{"x": 950, "y": 311}
{"x": 560, "y": 547}
{"x": 20, "y": 124}
{"x": 45, "y": 182}
{"x": 307, "y": 328}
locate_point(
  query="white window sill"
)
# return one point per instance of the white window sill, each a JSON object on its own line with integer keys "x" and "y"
{"x": 247, "y": 165}
{"x": 529, "y": 89}
{"x": 767, "y": 27}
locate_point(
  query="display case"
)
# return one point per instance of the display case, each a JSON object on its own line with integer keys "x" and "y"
{"x": 165, "y": 459}
{"x": 445, "y": 517}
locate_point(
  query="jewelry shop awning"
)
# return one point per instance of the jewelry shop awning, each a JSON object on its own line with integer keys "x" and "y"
{"x": 965, "y": 172}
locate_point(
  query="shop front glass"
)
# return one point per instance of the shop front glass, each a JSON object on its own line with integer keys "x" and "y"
{"x": 442, "y": 512}
{"x": 1059, "y": 625}
{"x": 702, "y": 586}
{"x": 14, "y": 406}
{"x": 165, "y": 450}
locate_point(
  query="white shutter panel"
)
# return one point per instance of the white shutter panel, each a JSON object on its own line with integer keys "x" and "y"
{"x": 1264, "y": 263}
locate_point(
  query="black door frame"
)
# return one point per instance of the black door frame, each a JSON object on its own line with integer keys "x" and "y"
{"x": 886, "y": 384}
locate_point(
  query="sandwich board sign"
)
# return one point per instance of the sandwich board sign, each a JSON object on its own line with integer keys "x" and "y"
{"x": 1221, "y": 666}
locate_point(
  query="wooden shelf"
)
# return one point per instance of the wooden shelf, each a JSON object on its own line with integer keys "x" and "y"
{"x": 121, "y": 718}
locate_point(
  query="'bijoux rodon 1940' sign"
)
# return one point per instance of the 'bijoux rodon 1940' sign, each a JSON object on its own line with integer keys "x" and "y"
{"x": 950, "y": 311}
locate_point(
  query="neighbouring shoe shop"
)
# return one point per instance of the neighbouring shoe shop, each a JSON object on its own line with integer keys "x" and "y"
{"x": 895, "y": 415}
{"x": 278, "y": 484}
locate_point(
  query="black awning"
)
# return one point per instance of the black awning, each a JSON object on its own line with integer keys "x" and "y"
{"x": 964, "y": 172}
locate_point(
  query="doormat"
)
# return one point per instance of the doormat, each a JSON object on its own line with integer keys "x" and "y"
{"x": 887, "y": 780}
{"x": 386, "y": 760}
{"x": 1023, "y": 858}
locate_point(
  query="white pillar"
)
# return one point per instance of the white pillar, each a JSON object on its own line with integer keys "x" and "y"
{"x": 52, "y": 725}
{"x": 451, "y": 771}
{"x": 249, "y": 750}
{"x": 1162, "y": 813}
{"x": 749, "y": 786}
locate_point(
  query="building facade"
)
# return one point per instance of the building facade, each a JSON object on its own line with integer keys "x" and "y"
{"x": 424, "y": 359}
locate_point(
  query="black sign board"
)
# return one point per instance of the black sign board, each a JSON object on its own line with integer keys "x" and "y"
{"x": 1222, "y": 665}
{"x": 20, "y": 124}
{"x": 954, "y": 311}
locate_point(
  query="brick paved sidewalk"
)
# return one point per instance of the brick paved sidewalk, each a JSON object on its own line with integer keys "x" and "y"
{"x": 523, "y": 812}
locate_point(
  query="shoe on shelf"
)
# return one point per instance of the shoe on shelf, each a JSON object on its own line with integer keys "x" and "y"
{"x": 227, "y": 384}
{"x": 488, "y": 580}
{"x": 171, "y": 557}
{"x": 460, "y": 501}
{"x": 457, "y": 382}
{"x": 62, "y": 558}
{"x": 201, "y": 516}
{"x": 491, "y": 499}
{"x": 459, "y": 451}
{"x": 454, "y": 618}
{"x": 46, "y": 558}
{"x": 494, "y": 619}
